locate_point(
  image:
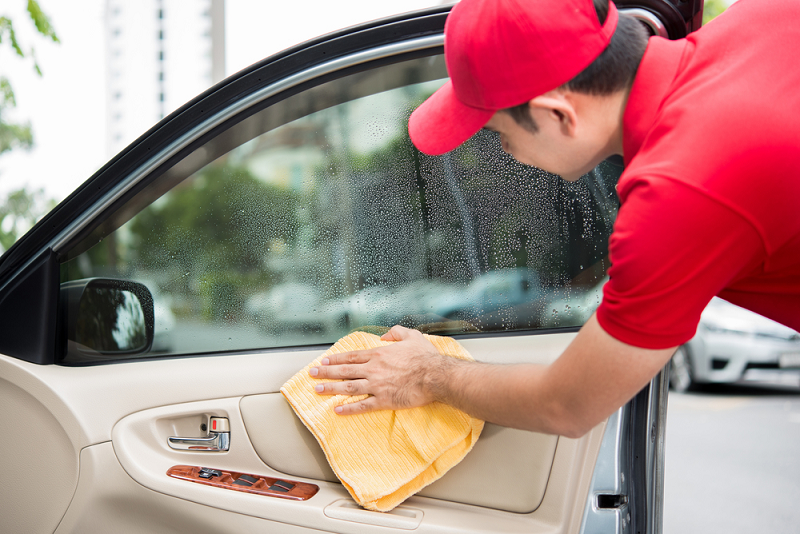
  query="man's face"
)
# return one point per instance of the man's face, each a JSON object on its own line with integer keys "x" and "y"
{"x": 552, "y": 148}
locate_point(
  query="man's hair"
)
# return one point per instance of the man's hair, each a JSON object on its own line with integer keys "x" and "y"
{"x": 612, "y": 71}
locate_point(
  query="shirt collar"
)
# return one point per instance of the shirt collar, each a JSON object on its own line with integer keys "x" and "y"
{"x": 658, "y": 69}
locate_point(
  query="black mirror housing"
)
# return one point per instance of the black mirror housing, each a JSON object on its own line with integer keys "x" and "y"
{"x": 105, "y": 317}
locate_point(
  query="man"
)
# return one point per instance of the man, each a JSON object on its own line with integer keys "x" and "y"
{"x": 708, "y": 130}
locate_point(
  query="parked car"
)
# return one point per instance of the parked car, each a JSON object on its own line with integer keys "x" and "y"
{"x": 290, "y": 306}
{"x": 409, "y": 304}
{"x": 730, "y": 341}
{"x": 492, "y": 292}
{"x": 298, "y": 168}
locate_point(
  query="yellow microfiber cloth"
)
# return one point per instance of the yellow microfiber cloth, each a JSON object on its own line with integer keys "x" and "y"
{"x": 384, "y": 457}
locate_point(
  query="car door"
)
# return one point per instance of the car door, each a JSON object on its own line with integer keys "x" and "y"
{"x": 267, "y": 218}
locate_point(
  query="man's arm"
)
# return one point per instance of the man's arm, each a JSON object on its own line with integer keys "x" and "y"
{"x": 594, "y": 376}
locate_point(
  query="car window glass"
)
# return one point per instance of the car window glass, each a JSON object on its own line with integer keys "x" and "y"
{"x": 316, "y": 216}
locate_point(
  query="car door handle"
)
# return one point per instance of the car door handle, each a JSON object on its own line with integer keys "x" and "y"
{"x": 218, "y": 439}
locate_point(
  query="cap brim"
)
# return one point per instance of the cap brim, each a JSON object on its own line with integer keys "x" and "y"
{"x": 442, "y": 122}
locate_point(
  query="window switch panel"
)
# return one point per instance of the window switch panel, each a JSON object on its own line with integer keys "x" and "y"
{"x": 244, "y": 482}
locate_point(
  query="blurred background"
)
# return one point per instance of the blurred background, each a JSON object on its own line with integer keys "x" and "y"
{"x": 116, "y": 67}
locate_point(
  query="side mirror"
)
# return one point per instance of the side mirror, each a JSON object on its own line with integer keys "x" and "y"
{"x": 104, "y": 316}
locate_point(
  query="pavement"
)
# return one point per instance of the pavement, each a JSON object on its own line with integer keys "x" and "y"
{"x": 733, "y": 460}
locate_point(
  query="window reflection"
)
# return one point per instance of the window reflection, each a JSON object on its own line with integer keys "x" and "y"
{"x": 317, "y": 216}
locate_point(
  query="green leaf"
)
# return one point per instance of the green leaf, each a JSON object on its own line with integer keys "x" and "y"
{"x": 35, "y": 63}
{"x": 15, "y": 136}
{"x": 20, "y": 210}
{"x": 6, "y": 26}
{"x": 12, "y": 135}
{"x": 6, "y": 94}
{"x": 41, "y": 21}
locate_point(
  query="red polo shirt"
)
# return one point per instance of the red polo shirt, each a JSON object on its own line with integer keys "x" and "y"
{"x": 711, "y": 190}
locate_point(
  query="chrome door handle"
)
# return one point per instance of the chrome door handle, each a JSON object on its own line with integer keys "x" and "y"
{"x": 218, "y": 439}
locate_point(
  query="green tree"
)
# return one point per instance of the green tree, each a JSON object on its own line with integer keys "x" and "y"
{"x": 210, "y": 235}
{"x": 20, "y": 210}
{"x": 223, "y": 219}
{"x": 19, "y": 135}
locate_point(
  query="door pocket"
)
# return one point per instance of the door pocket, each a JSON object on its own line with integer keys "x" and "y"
{"x": 507, "y": 469}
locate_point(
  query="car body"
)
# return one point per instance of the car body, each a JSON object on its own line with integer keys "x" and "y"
{"x": 292, "y": 185}
{"x": 733, "y": 344}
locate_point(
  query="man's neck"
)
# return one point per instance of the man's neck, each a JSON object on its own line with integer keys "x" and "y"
{"x": 616, "y": 112}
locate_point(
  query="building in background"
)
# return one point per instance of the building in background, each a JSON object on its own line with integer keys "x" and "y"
{"x": 159, "y": 55}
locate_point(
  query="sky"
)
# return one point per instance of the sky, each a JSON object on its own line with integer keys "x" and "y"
{"x": 66, "y": 106}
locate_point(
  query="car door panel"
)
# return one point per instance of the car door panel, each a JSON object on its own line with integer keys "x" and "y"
{"x": 508, "y": 470}
{"x": 140, "y": 445}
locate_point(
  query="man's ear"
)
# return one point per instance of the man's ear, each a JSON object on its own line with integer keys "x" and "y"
{"x": 556, "y": 106}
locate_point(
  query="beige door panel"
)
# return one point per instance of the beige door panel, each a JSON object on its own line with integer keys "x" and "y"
{"x": 298, "y": 453}
{"x": 59, "y": 411}
{"x": 140, "y": 444}
{"x": 138, "y": 404}
{"x": 281, "y": 439}
{"x": 508, "y": 470}
{"x": 39, "y": 466}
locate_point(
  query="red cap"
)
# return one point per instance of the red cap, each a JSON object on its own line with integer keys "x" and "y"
{"x": 501, "y": 53}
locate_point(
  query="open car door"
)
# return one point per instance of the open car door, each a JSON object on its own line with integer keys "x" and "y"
{"x": 150, "y": 320}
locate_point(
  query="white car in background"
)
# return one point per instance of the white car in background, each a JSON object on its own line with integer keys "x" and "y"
{"x": 730, "y": 341}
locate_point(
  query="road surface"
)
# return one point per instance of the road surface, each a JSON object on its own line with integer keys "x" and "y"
{"x": 733, "y": 461}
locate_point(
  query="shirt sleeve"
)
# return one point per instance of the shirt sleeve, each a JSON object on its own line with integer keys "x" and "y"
{"x": 672, "y": 250}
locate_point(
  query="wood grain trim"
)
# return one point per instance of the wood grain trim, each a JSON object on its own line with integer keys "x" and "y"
{"x": 301, "y": 491}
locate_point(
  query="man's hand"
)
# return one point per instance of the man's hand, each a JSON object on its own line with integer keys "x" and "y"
{"x": 396, "y": 376}
{"x": 594, "y": 376}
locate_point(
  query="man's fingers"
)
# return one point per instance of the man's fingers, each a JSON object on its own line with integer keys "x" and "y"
{"x": 363, "y": 406}
{"x": 390, "y": 376}
{"x": 397, "y": 333}
{"x": 344, "y": 372}
{"x": 348, "y": 387}
{"x": 358, "y": 356}
{"x": 344, "y": 365}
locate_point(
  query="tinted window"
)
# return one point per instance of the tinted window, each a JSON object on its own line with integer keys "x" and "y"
{"x": 316, "y": 216}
